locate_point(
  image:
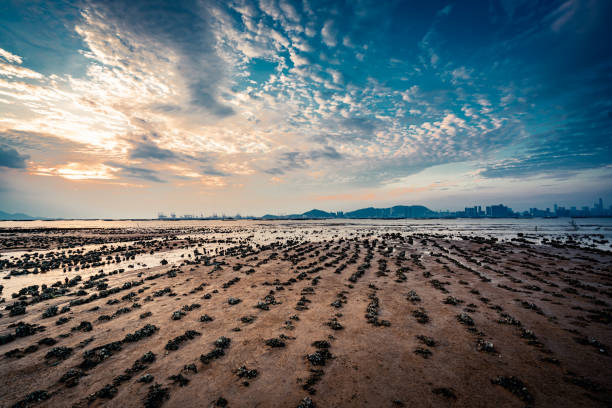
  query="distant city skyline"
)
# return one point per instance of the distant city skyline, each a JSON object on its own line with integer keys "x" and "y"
{"x": 600, "y": 206}
{"x": 478, "y": 211}
{"x": 114, "y": 108}
{"x": 500, "y": 210}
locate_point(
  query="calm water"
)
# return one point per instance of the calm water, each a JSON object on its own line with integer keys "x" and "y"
{"x": 593, "y": 232}
{"x": 501, "y": 228}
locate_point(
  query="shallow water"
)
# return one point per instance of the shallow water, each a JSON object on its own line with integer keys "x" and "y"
{"x": 461, "y": 225}
{"x": 591, "y": 232}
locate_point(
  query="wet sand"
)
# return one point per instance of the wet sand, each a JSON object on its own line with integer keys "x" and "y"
{"x": 373, "y": 319}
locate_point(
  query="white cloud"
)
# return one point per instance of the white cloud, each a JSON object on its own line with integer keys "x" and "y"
{"x": 297, "y": 59}
{"x": 269, "y": 7}
{"x": 409, "y": 94}
{"x": 347, "y": 42}
{"x": 7, "y": 56}
{"x": 289, "y": 11}
{"x": 18, "y": 72}
{"x": 329, "y": 34}
{"x": 336, "y": 76}
{"x": 461, "y": 73}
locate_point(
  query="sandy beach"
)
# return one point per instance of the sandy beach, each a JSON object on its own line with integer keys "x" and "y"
{"x": 308, "y": 317}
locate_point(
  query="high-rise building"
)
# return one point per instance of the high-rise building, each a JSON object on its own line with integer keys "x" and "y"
{"x": 499, "y": 211}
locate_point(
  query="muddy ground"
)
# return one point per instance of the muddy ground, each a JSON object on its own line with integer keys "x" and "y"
{"x": 375, "y": 320}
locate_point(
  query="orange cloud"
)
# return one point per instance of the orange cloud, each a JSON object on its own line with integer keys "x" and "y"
{"x": 77, "y": 171}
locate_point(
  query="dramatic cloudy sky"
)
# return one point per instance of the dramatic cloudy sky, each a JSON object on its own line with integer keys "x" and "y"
{"x": 126, "y": 108}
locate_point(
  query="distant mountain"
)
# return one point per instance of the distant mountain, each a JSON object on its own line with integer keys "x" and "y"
{"x": 16, "y": 217}
{"x": 398, "y": 211}
{"x": 318, "y": 214}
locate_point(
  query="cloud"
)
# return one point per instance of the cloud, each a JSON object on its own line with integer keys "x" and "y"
{"x": 11, "y": 158}
{"x": 410, "y": 94}
{"x": 210, "y": 170}
{"x": 329, "y": 34}
{"x": 130, "y": 171}
{"x": 328, "y": 152}
{"x": 361, "y": 127}
{"x": 289, "y": 11}
{"x": 446, "y": 10}
{"x": 275, "y": 171}
{"x": 7, "y": 56}
{"x": 147, "y": 149}
{"x": 18, "y": 72}
{"x": 240, "y": 90}
{"x": 431, "y": 39}
{"x": 185, "y": 31}
{"x": 559, "y": 151}
{"x": 77, "y": 171}
{"x": 336, "y": 76}
{"x": 461, "y": 73}
{"x": 564, "y": 14}
{"x": 291, "y": 161}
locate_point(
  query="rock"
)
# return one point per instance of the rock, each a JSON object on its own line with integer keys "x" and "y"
{"x": 421, "y": 315}
{"x": 146, "y": 331}
{"x": 306, "y": 403}
{"x": 244, "y": 372}
{"x": 59, "y": 353}
{"x": 156, "y": 396}
{"x": 147, "y": 378}
{"x": 515, "y": 386}
{"x": 71, "y": 377}
{"x": 177, "y": 315}
{"x": 179, "y": 379}
{"x": 428, "y": 341}
{"x": 274, "y": 342}
{"x": 484, "y": 346}
{"x": 465, "y": 319}
{"x": 445, "y": 392}
{"x": 222, "y": 342}
{"x": 50, "y": 312}
{"x": 423, "y": 352}
{"x": 319, "y": 357}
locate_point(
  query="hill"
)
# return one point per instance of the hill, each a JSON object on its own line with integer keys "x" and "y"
{"x": 4, "y": 216}
{"x": 398, "y": 211}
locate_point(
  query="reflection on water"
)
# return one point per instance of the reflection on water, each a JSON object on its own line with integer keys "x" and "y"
{"x": 210, "y": 236}
{"x": 546, "y": 226}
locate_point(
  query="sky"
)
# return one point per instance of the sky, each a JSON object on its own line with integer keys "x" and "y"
{"x": 129, "y": 108}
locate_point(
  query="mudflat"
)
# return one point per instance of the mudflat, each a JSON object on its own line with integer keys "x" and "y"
{"x": 370, "y": 318}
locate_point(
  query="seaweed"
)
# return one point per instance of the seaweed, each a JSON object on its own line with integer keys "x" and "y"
{"x": 275, "y": 342}
{"x": 244, "y": 372}
{"x": 420, "y": 315}
{"x": 156, "y": 396}
{"x": 515, "y": 386}
{"x": 71, "y": 377}
{"x": 428, "y": 341}
{"x": 445, "y": 392}
{"x": 175, "y": 343}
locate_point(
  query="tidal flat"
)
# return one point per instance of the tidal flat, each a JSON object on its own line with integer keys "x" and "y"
{"x": 305, "y": 314}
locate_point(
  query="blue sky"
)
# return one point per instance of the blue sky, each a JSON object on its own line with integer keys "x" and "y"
{"x": 123, "y": 109}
